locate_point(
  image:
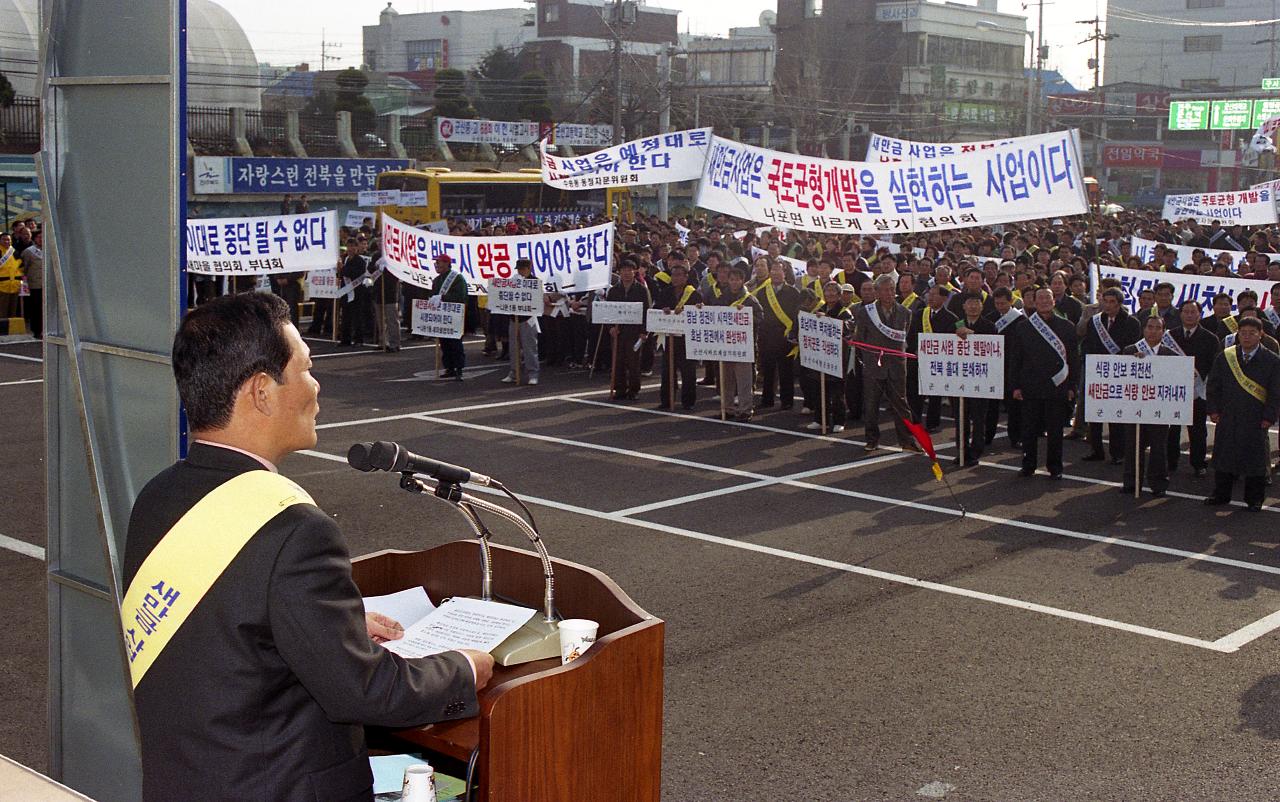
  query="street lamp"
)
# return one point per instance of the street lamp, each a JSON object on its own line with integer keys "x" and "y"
{"x": 992, "y": 26}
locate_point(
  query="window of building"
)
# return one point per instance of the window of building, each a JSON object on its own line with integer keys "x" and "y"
{"x": 1199, "y": 83}
{"x": 551, "y": 12}
{"x": 371, "y": 59}
{"x": 813, "y": 8}
{"x": 425, "y": 54}
{"x": 988, "y": 89}
{"x": 1202, "y": 44}
{"x": 1206, "y": 3}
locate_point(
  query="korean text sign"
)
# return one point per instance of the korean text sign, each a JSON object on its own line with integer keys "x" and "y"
{"x": 324, "y": 285}
{"x": 1145, "y": 250}
{"x": 223, "y": 175}
{"x": 1186, "y": 287}
{"x": 659, "y": 321}
{"x": 1129, "y": 389}
{"x": 626, "y": 313}
{"x": 515, "y": 296}
{"x": 821, "y": 340}
{"x": 256, "y": 245}
{"x": 1248, "y": 207}
{"x": 972, "y": 367}
{"x": 658, "y": 159}
{"x": 1034, "y": 178}
{"x": 721, "y": 333}
{"x": 496, "y": 132}
{"x": 435, "y": 318}
{"x": 572, "y": 261}
{"x": 881, "y": 148}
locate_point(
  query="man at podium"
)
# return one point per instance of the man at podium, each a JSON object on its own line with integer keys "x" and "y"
{"x": 251, "y": 659}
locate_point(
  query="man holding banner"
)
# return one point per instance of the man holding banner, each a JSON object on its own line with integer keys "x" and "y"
{"x": 781, "y": 303}
{"x": 1110, "y": 331}
{"x": 1146, "y": 436}
{"x": 1244, "y": 401}
{"x": 1193, "y": 340}
{"x": 1043, "y": 368}
{"x": 882, "y": 325}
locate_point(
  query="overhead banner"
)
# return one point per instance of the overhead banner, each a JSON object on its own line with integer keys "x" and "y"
{"x": 501, "y": 132}
{"x": 969, "y": 367}
{"x": 881, "y": 148}
{"x": 246, "y": 246}
{"x": 573, "y": 261}
{"x": 1126, "y": 389}
{"x": 1185, "y": 286}
{"x": 660, "y": 159}
{"x": 227, "y": 175}
{"x": 821, "y": 339}
{"x": 1248, "y": 207}
{"x": 1039, "y": 177}
{"x": 1145, "y": 250}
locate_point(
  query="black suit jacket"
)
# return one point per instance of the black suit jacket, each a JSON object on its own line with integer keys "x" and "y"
{"x": 263, "y": 692}
{"x": 1125, "y": 329}
{"x": 1203, "y": 346}
{"x": 1033, "y": 362}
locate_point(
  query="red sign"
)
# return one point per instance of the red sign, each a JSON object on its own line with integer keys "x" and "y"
{"x": 1132, "y": 156}
{"x": 1153, "y": 102}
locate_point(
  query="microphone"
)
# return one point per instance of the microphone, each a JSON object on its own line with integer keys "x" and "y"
{"x": 386, "y": 456}
{"x": 358, "y": 457}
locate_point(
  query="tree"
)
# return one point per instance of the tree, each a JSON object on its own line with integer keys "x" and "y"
{"x": 496, "y": 77}
{"x": 451, "y": 95}
{"x": 534, "y": 101}
{"x": 350, "y": 97}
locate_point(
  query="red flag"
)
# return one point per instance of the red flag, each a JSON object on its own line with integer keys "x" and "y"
{"x": 922, "y": 437}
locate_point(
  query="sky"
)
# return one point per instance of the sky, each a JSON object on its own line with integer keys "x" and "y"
{"x": 291, "y": 31}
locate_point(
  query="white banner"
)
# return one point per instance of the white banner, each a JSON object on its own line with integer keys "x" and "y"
{"x": 324, "y": 285}
{"x": 255, "y": 245}
{"x": 659, "y": 321}
{"x": 1127, "y": 389}
{"x": 1037, "y": 178}
{"x": 573, "y": 261}
{"x": 624, "y": 313}
{"x": 515, "y": 296}
{"x": 356, "y": 217}
{"x": 799, "y": 267}
{"x": 501, "y": 132}
{"x": 821, "y": 340}
{"x": 415, "y": 198}
{"x": 435, "y": 318}
{"x": 378, "y": 197}
{"x": 1145, "y": 250}
{"x": 1185, "y": 287}
{"x": 659, "y": 159}
{"x": 720, "y": 333}
{"x": 881, "y": 148}
{"x": 972, "y": 367}
{"x": 1248, "y": 207}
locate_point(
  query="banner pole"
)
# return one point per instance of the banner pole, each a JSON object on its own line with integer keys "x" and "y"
{"x": 381, "y": 317}
{"x": 723, "y": 392}
{"x": 519, "y": 344}
{"x": 1137, "y": 460}
{"x": 613, "y": 367}
{"x": 333, "y": 324}
{"x": 822, "y": 398}
{"x": 596, "y": 357}
{"x": 961, "y": 425}
{"x": 671, "y": 373}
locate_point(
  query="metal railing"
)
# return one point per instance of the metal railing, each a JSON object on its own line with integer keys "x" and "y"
{"x": 20, "y": 125}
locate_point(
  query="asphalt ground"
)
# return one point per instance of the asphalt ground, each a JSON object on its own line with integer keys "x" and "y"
{"x": 836, "y": 629}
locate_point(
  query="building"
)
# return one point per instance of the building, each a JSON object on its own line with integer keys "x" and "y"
{"x": 931, "y": 71}
{"x": 741, "y": 63}
{"x": 438, "y": 40}
{"x": 1190, "y": 55}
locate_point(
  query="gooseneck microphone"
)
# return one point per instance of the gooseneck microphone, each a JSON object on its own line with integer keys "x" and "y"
{"x": 392, "y": 457}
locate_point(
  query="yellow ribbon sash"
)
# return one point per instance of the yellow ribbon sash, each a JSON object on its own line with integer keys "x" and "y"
{"x": 1248, "y": 385}
{"x": 684, "y": 299}
{"x": 926, "y": 320}
{"x": 191, "y": 556}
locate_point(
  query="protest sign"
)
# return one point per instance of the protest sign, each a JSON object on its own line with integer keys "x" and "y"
{"x": 378, "y": 197}
{"x": 515, "y": 296}
{"x": 821, "y": 339}
{"x": 245, "y": 246}
{"x": 356, "y": 217}
{"x": 625, "y": 313}
{"x": 436, "y": 318}
{"x": 325, "y": 285}
{"x": 503, "y": 132}
{"x": 972, "y": 367}
{"x": 573, "y": 261}
{"x": 1248, "y": 207}
{"x": 720, "y": 333}
{"x": 1127, "y": 389}
{"x": 1033, "y": 178}
{"x": 1145, "y": 250}
{"x": 658, "y": 321}
{"x": 881, "y": 148}
{"x": 1186, "y": 286}
{"x": 414, "y": 198}
{"x": 659, "y": 159}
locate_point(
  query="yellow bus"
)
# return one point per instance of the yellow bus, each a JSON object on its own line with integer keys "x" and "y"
{"x": 496, "y": 197}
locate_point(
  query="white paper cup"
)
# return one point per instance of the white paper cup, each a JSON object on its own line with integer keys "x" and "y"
{"x": 419, "y": 784}
{"x": 576, "y": 636}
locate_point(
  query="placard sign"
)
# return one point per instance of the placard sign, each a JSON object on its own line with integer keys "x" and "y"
{"x": 1186, "y": 287}
{"x": 1248, "y": 207}
{"x": 325, "y": 285}
{"x": 623, "y": 313}
{"x": 659, "y": 321}
{"x": 1129, "y": 389}
{"x": 378, "y": 197}
{"x": 821, "y": 340}
{"x": 355, "y": 218}
{"x": 515, "y": 296}
{"x": 970, "y": 367}
{"x": 720, "y": 333}
{"x": 246, "y": 246}
{"x": 435, "y": 318}
{"x": 658, "y": 159}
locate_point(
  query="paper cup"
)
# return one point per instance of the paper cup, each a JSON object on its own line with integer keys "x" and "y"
{"x": 576, "y": 636}
{"x": 419, "y": 784}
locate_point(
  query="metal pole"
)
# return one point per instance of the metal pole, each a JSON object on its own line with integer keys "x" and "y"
{"x": 1030, "y": 96}
{"x": 1039, "y": 61}
{"x": 960, "y": 421}
{"x": 671, "y": 373}
{"x": 724, "y": 392}
{"x": 664, "y": 123}
{"x": 617, "y": 72}
{"x": 822, "y": 398}
{"x": 5, "y": 184}
{"x": 697, "y": 105}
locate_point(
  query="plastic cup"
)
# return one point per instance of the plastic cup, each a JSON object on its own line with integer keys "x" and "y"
{"x": 419, "y": 784}
{"x": 576, "y": 636}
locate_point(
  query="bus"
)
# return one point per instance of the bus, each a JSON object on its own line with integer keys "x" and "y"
{"x": 491, "y": 197}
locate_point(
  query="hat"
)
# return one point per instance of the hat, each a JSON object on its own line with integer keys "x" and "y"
{"x": 444, "y": 257}
{"x": 513, "y": 228}
{"x": 847, "y": 288}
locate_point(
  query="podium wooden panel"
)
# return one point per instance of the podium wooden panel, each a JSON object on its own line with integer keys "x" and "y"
{"x": 591, "y": 730}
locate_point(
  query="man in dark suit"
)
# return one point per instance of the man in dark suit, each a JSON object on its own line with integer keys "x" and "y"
{"x": 935, "y": 317}
{"x": 780, "y": 303}
{"x": 1043, "y": 367}
{"x": 883, "y": 324}
{"x": 1109, "y": 332}
{"x": 1148, "y": 437}
{"x": 1244, "y": 402}
{"x": 629, "y": 289}
{"x": 974, "y": 429}
{"x": 1196, "y": 341}
{"x": 262, "y": 692}
{"x": 452, "y": 288}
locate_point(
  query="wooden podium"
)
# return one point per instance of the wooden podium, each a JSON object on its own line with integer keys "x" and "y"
{"x": 590, "y": 730}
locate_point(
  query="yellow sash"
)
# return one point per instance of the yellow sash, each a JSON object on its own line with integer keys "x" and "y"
{"x": 741, "y": 300}
{"x": 777, "y": 307}
{"x": 191, "y": 556}
{"x": 850, "y": 307}
{"x": 663, "y": 276}
{"x": 684, "y": 299}
{"x": 715, "y": 287}
{"x": 926, "y": 322}
{"x": 1231, "y": 323}
{"x": 1248, "y": 385}
{"x": 910, "y": 299}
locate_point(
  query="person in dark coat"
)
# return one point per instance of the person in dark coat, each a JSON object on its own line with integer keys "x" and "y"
{"x": 674, "y": 297}
{"x": 1243, "y": 399}
{"x": 1196, "y": 341}
{"x": 451, "y": 286}
{"x": 975, "y": 413}
{"x": 1109, "y": 332}
{"x": 268, "y": 677}
{"x": 883, "y": 323}
{"x": 628, "y": 289}
{"x": 1147, "y": 436}
{"x": 781, "y": 304}
{"x": 935, "y": 317}
{"x": 357, "y": 312}
{"x": 1043, "y": 368}
{"x": 1005, "y": 319}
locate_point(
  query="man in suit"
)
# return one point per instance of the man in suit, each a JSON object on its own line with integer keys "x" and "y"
{"x": 1244, "y": 402}
{"x": 780, "y": 305}
{"x": 1043, "y": 367}
{"x": 452, "y": 288}
{"x": 1147, "y": 435}
{"x": 884, "y": 324}
{"x": 1193, "y": 340}
{"x": 673, "y": 298}
{"x": 262, "y": 692}
{"x": 935, "y": 317}
{"x": 975, "y": 413}
{"x": 1109, "y": 332}
{"x": 628, "y": 289}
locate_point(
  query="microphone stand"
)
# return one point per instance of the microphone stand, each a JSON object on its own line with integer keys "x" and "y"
{"x": 537, "y": 639}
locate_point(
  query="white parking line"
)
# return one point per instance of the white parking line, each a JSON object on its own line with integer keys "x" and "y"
{"x": 21, "y": 547}
{"x": 1214, "y": 646}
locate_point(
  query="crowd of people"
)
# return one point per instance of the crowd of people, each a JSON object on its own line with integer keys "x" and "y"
{"x": 22, "y": 276}
{"x": 1027, "y": 282}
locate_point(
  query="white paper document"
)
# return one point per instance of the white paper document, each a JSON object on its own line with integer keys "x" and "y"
{"x": 461, "y": 623}
{"x": 406, "y": 607}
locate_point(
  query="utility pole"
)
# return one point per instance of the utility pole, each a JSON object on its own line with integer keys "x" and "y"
{"x": 664, "y": 122}
{"x": 619, "y": 11}
{"x": 324, "y": 50}
{"x": 1100, "y": 126}
{"x": 1040, "y": 56}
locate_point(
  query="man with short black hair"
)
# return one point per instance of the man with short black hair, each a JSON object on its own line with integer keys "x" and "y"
{"x": 1244, "y": 402}
{"x": 1196, "y": 341}
{"x": 1043, "y": 364}
{"x": 451, "y": 287}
